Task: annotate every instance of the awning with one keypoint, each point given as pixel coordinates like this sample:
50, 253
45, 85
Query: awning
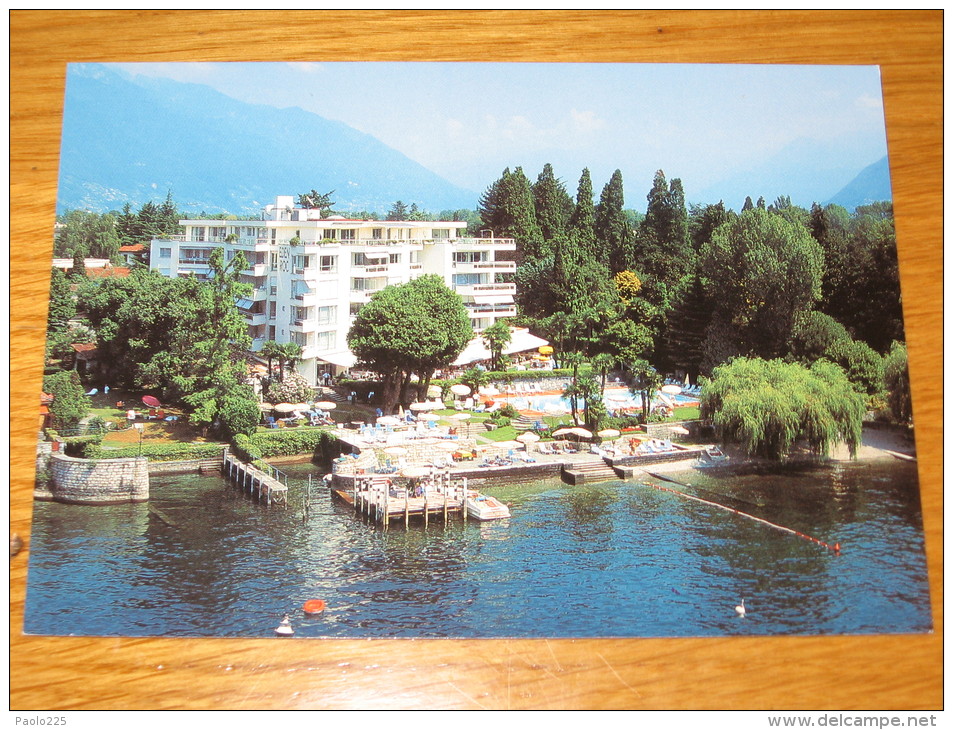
344, 358
244, 303
521, 341
376, 254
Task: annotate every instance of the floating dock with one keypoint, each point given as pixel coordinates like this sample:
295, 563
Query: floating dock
439, 496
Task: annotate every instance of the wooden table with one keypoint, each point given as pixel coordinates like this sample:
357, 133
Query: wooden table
877, 672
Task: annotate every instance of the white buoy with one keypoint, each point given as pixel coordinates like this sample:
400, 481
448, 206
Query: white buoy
284, 628
740, 610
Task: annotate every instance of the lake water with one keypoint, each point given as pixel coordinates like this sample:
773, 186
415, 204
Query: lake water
611, 559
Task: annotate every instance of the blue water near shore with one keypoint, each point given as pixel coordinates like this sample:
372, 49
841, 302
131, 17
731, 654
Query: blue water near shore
615, 559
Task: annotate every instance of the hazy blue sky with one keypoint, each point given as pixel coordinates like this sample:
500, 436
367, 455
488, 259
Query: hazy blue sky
467, 121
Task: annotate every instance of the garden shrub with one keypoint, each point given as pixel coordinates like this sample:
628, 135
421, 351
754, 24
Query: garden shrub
160, 452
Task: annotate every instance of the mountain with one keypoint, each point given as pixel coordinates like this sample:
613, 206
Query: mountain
134, 139
870, 186
809, 171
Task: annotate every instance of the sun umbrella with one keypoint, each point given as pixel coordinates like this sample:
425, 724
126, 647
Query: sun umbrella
581, 432
562, 431
489, 390
528, 437
546, 350
388, 421
421, 407
460, 389
265, 406
395, 450
151, 401
285, 407
460, 416
433, 391
609, 433
412, 472
671, 389
326, 405
430, 417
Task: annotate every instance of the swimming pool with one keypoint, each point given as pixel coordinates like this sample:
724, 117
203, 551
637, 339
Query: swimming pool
614, 398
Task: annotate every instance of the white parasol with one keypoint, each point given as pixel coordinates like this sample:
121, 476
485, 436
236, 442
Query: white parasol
388, 421
421, 407
412, 472
528, 437
460, 389
609, 433
671, 389
326, 405
459, 416
285, 407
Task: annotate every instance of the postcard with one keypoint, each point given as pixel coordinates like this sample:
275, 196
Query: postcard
475, 350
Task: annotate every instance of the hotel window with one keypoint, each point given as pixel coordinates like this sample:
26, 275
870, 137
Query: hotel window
349, 234
198, 233
330, 233
328, 264
302, 262
359, 259
216, 232
468, 257
395, 258
165, 253
324, 341
301, 338
466, 279
377, 234
274, 261
441, 233
327, 315
415, 257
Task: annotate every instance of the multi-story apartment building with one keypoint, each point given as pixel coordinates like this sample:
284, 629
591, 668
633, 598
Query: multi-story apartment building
311, 275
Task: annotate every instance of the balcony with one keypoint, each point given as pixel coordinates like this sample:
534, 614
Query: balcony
256, 270
255, 319
477, 311
304, 325
474, 290
306, 300
480, 267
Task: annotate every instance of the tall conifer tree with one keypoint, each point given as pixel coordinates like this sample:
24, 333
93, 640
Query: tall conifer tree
613, 233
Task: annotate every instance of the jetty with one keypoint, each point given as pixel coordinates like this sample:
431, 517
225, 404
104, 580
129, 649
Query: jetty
436, 496
264, 486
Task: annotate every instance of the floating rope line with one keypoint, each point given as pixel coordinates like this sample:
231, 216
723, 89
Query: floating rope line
835, 548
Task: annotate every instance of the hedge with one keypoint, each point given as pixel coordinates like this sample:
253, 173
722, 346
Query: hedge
286, 442
160, 452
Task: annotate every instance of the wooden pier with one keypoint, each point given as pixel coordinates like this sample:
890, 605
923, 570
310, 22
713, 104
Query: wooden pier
253, 480
379, 498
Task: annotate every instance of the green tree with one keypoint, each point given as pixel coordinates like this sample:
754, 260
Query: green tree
582, 221
897, 383
508, 209
407, 329
612, 227
769, 406
70, 402
663, 250
496, 337
87, 235
317, 201
62, 303
766, 271
552, 202
398, 211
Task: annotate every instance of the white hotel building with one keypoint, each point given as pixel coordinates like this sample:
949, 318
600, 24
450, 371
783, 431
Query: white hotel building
311, 275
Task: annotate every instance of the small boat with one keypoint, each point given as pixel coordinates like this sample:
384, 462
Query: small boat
284, 628
484, 507
715, 454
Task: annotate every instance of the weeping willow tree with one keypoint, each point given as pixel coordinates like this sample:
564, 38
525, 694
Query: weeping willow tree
769, 406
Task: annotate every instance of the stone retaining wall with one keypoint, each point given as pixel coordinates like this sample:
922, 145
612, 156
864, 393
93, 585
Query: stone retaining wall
96, 481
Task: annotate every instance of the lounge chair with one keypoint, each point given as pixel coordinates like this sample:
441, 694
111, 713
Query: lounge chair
546, 448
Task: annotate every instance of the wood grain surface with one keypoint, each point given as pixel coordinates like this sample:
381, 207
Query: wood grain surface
864, 673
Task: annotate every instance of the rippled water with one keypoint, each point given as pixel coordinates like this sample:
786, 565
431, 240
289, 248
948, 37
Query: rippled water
610, 559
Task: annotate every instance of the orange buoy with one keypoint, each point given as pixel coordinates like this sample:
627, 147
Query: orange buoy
315, 605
